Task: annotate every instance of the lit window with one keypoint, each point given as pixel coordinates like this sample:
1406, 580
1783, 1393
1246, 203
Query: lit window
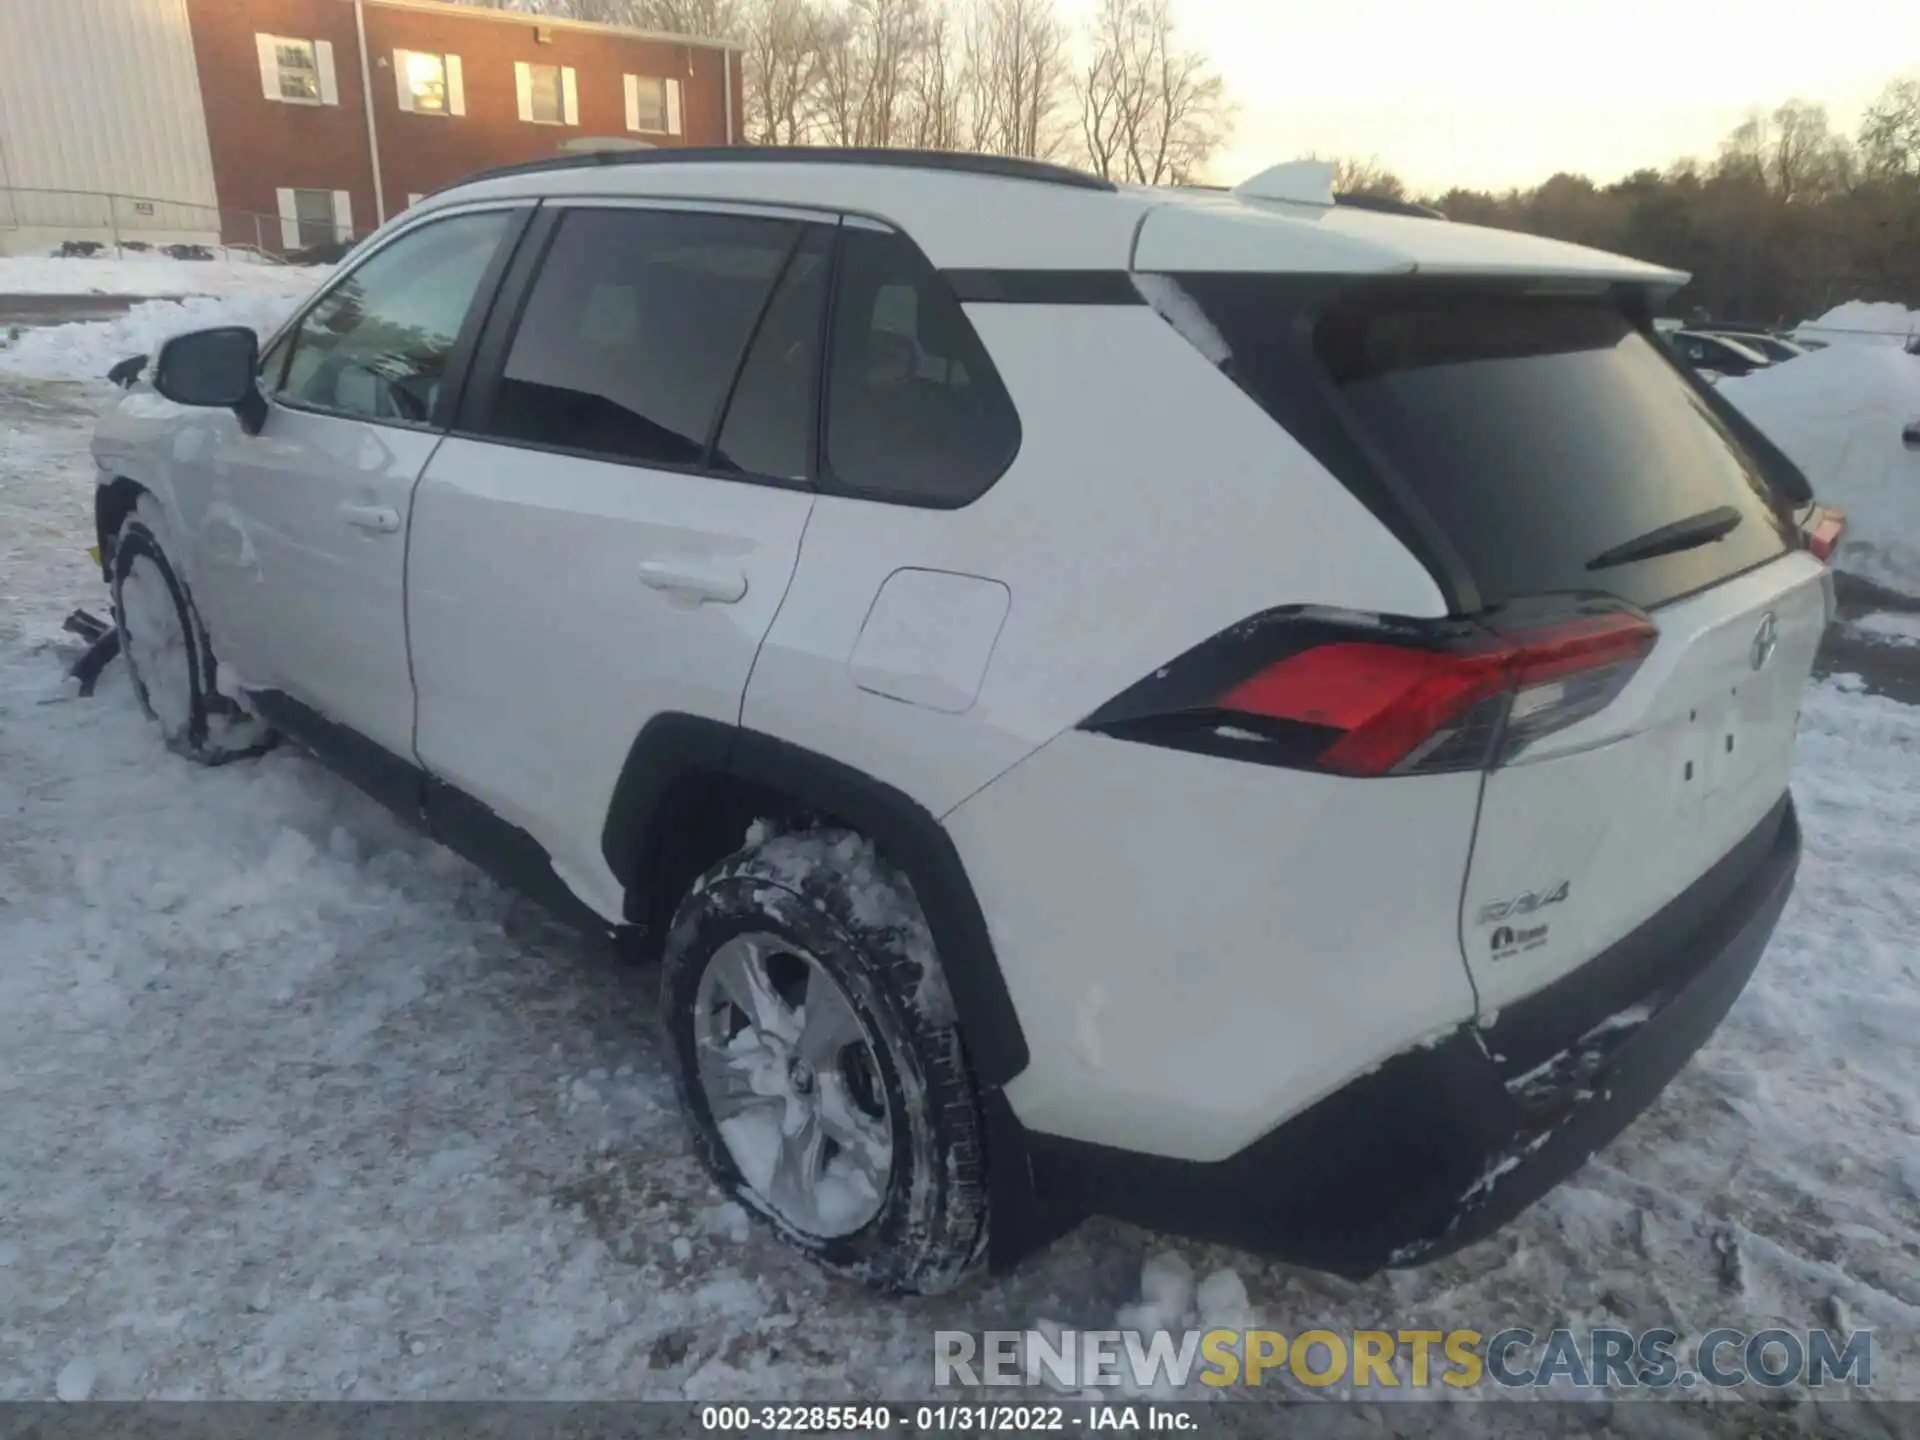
299, 69
427, 82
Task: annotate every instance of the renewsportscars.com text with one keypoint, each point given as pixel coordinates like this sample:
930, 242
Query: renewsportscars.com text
1514, 1358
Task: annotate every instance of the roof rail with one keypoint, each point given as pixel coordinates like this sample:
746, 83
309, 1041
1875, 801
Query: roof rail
1389, 207
1005, 167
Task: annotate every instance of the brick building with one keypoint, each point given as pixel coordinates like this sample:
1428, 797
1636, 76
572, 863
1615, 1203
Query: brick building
288, 123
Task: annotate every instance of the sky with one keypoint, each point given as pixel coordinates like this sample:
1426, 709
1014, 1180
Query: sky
1494, 93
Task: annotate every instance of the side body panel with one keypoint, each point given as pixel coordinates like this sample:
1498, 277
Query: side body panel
1151, 505
542, 645
1201, 947
303, 547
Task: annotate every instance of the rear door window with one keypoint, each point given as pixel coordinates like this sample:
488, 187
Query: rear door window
1536, 432
633, 331
915, 410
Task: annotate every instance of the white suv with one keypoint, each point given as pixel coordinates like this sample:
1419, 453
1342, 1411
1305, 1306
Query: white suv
1244, 713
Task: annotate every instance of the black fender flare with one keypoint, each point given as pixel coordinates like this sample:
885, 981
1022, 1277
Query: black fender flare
671, 745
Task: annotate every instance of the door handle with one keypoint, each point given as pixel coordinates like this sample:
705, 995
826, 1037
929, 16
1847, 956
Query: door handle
694, 581
377, 518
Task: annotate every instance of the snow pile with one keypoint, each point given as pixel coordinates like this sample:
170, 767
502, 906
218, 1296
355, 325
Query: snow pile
156, 276
1889, 628
87, 351
1839, 414
1862, 322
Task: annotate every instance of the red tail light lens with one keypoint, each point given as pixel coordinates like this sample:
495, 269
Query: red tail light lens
1364, 696
1387, 701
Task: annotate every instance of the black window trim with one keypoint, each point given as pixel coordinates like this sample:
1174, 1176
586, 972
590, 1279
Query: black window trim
489, 359
460, 358
822, 333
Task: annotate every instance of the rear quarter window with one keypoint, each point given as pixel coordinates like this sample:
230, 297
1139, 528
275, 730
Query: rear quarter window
916, 413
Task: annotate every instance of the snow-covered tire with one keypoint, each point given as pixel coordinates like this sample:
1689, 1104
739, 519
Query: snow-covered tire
826, 901
166, 649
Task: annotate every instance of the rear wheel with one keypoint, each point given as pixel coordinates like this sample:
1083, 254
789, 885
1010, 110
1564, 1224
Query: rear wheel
819, 1064
166, 650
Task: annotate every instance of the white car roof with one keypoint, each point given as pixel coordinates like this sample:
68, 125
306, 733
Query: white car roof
984, 213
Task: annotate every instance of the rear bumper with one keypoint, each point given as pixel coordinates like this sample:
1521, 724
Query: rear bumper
1441, 1145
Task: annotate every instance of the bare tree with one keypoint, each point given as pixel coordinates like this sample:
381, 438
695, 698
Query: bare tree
1150, 112
1354, 176
782, 69
1016, 77
1806, 158
936, 98
1890, 133
867, 51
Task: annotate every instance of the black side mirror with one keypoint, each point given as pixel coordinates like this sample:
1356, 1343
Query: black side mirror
215, 369
1910, 437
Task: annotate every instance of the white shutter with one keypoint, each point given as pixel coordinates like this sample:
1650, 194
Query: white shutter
329, 88
673, 107
269, 66
523, 87
289, 221
342, 215
569, 96
456, 87
632, 83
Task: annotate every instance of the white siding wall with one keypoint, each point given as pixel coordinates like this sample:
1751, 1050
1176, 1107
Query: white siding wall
101, 95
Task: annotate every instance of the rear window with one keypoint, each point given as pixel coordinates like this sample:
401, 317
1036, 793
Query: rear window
1534, 432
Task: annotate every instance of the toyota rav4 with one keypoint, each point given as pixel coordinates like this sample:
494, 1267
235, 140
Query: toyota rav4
1240, 712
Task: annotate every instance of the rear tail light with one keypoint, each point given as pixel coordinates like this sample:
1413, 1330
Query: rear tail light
1823, 531
1369, 695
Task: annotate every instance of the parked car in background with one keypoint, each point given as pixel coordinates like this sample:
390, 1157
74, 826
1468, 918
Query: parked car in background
1774, 347
1706, 351
1082, 688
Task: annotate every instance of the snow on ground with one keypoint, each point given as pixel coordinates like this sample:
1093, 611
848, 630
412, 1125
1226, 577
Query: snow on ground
151, 275
1889, 628
1862, 322
87, 351
299, 1105
1839, 414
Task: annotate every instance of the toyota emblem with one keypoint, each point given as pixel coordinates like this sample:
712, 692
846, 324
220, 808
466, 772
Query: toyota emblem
1765, 641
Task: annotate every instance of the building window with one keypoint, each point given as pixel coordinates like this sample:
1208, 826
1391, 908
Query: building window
311, 218
295, 71
429, 84
549, 94
299, 69
653, 105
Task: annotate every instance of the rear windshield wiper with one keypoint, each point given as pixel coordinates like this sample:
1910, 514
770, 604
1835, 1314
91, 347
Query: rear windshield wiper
1688, 534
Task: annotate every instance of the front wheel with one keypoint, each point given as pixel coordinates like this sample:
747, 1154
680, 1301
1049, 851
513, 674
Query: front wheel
819, 1064
166, 650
